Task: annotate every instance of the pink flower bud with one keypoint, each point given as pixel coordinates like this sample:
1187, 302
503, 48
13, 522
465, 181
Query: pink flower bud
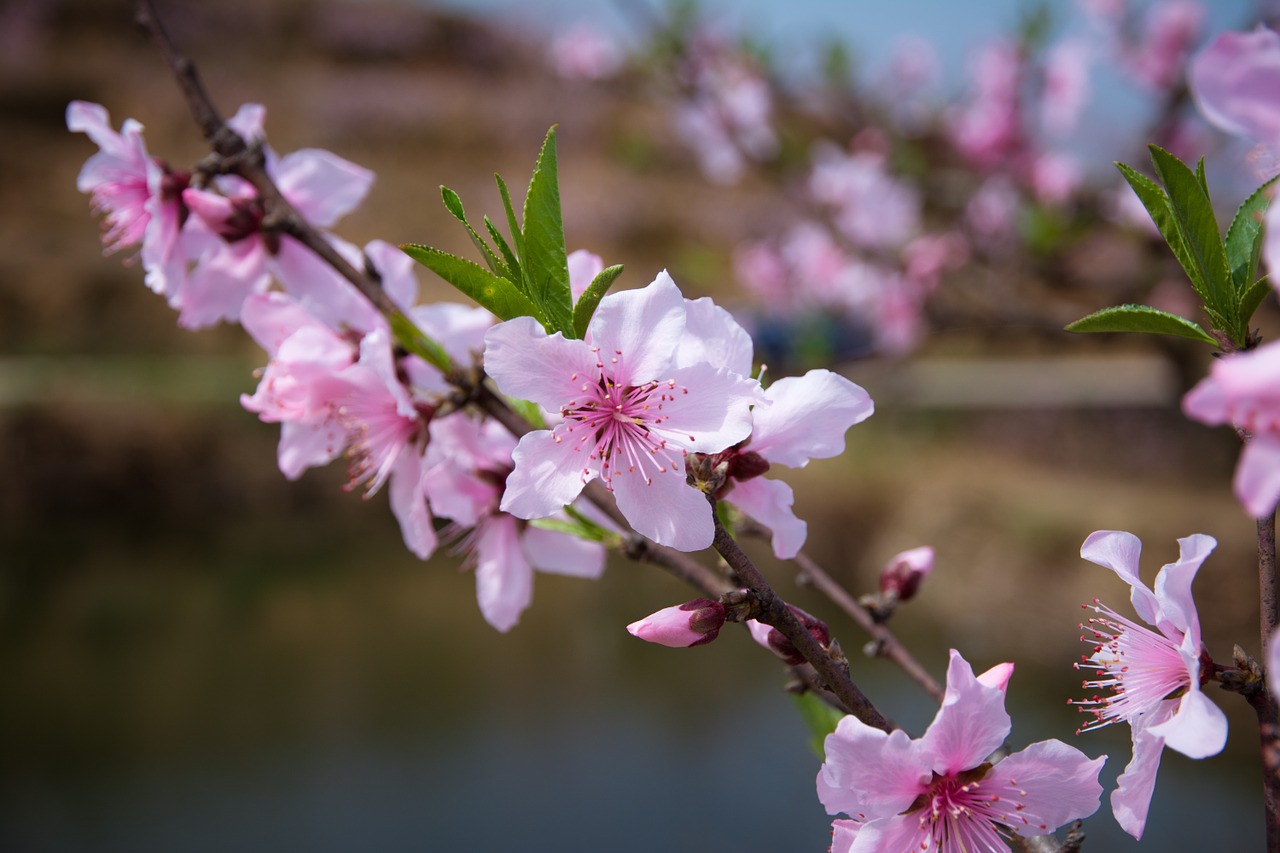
903, 574
775, 641
690, 624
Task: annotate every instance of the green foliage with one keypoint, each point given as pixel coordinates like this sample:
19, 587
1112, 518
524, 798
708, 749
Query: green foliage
1140, 318
527, 276
820, 717
1221, 273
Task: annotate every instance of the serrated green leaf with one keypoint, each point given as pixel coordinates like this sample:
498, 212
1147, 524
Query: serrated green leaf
1153, 198
1194, 214
517, 237
546, 270
1244, 242
1141, 318
500, 296
513, 263
454, 205
819, 717
591, 297
1252, 298
1200, 176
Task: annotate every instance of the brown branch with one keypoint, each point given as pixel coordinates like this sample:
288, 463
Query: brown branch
1264, 704
885, 644
774, 611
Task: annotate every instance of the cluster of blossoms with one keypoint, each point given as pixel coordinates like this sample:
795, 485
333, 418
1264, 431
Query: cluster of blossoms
656, 384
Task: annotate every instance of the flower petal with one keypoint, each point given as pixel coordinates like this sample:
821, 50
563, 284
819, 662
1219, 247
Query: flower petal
562, 553
868, 773
1198, 729
1257, 480
1121, 551
644, 325
1054, 784
969, 726
529, 364
321, 185
1131, 800
409, 504
713, 336
504, 578
548, 475
808, 418
1236, 83
769, 502
713, 415
665, 509
1173, 587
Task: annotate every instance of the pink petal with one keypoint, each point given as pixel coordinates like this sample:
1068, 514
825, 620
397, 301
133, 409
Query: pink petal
220, 283
562, 553
397, 272
870, 774
1131, 799
321, 290
528, 364
504, 578
584, 266
998, 677
1257, 479
323, 186
547, 476
713, 415
1198, 729
1121, 551
309, 445
249, 121
1173, 587
843, 834
665, 509
644, 325
808, 418
409, 504
769, 502
1236, 83
460, 329
1055, 785
969, 726
713, 336
900, 832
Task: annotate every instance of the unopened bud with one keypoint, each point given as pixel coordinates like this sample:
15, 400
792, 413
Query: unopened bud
903, 574
690, 624
775, 641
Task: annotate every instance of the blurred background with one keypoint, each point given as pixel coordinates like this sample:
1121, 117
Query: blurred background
197, 654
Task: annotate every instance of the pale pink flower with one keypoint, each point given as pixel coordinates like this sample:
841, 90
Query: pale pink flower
987, 129
871, 207
938, 792
693, 623
1066, 85
238, 258
1243, 390
629, 415
584, 266
1154, 678
469, 461
585, 52
139, 197
1170, 30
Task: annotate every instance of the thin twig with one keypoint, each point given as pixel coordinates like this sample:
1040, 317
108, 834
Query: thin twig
776, 613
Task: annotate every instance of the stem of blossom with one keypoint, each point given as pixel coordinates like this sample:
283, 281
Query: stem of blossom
885, 643
1263, 702
776, 613
240, 158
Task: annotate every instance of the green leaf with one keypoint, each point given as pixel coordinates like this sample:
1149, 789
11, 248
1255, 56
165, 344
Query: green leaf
1141, 318
1153, 198
591, 297
1200, 176
409, 336
544, 264
493, 292
1199, 227
513, 263
1244, 241
454, 205
530, 411
517, 237
1252, 298
819, 717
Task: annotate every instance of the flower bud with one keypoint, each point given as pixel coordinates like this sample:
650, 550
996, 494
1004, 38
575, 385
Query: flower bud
775, 641
903, 574
690, 624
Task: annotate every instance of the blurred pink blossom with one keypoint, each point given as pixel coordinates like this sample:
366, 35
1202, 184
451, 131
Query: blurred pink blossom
1169, 31
584, 51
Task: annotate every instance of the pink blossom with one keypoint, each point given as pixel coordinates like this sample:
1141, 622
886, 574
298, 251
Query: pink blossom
585, 52
1055, 176
584, 266
871, 207
939, 792
1066, 85
775, 641
1154, 677
693, 623
1242, 390
139, 197
239, 259
629, 413
1169, 31
987, 129
1235, 82
904, 572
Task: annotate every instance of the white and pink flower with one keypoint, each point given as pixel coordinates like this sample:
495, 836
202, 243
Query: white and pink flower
1152, 678
941, 792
